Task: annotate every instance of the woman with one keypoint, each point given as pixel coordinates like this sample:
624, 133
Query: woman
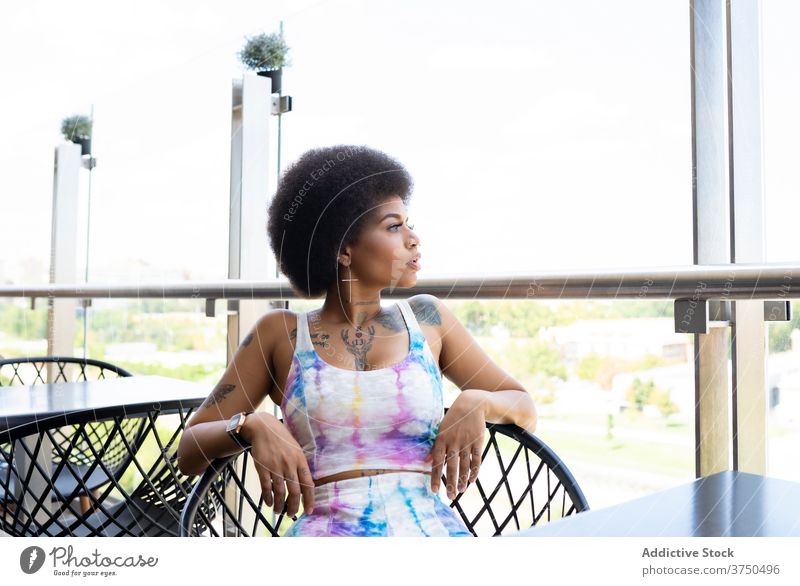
364, 442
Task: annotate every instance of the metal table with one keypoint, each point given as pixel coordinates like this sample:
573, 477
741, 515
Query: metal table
725, 504
28, 413
23, 407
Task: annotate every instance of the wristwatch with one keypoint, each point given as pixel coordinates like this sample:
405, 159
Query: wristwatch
235, 426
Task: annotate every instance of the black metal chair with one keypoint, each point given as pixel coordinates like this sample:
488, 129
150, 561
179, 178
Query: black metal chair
152, 508
30, 371
521, 483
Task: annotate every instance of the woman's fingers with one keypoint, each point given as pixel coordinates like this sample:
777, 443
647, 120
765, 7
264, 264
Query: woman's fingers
283, 486
266, 489
306, 487
437, 455
463, 469
279, 489
266, 481
476, 463
452, 472
293, 502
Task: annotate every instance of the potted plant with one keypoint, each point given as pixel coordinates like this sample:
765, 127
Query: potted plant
78, 129
266, 55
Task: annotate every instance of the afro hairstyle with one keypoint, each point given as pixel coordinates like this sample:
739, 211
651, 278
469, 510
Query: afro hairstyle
323, 201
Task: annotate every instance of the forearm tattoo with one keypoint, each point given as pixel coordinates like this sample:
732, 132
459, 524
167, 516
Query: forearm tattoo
218, 395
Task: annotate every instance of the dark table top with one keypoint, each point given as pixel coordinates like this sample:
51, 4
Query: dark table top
22, 407
725, 504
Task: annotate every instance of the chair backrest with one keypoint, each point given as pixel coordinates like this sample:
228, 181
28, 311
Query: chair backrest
146, 503
29, 370
99, 456
521, 483
164, 489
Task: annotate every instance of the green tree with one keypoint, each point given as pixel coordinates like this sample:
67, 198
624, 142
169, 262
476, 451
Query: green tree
661, 399
589, 366
537, 357
779, 336
779, 332
639, 392
647, 362
21, 322
521, 318
601, 368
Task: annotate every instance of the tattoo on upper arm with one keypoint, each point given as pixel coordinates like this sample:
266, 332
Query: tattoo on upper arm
218, 394
426, 311
247, 339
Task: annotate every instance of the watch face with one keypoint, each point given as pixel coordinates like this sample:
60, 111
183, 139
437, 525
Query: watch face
234, 421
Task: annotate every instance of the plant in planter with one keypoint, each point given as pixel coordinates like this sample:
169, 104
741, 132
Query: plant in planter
266, 55
78, 129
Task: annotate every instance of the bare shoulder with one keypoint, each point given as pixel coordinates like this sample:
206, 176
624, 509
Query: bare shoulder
429, 310
275, 333
436, 320
461, 358
250, 376
433, 317
279, 326
278, 319
433, 312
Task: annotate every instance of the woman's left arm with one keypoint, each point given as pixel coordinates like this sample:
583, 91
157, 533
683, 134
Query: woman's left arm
510, 406
488, 393
483, 383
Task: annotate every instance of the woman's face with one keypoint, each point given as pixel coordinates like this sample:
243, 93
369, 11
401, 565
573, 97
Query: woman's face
382, 253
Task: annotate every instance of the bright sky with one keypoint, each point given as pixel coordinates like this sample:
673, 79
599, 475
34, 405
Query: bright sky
541, 135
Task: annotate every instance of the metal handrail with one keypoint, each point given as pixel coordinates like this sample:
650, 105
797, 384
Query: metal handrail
729, 281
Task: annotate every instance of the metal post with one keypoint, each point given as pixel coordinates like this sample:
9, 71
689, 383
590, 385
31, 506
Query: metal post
63, 248
711, 225
60, 313
249, 255
749, 341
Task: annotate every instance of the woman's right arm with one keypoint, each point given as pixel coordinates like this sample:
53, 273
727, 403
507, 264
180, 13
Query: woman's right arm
248, 379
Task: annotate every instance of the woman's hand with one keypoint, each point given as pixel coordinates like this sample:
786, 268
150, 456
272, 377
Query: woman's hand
459, 443
280, 463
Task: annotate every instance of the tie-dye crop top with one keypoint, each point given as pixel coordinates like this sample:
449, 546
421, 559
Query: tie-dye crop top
358, 419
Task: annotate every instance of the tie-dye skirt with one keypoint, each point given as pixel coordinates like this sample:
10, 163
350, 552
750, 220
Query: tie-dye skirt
388, 504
